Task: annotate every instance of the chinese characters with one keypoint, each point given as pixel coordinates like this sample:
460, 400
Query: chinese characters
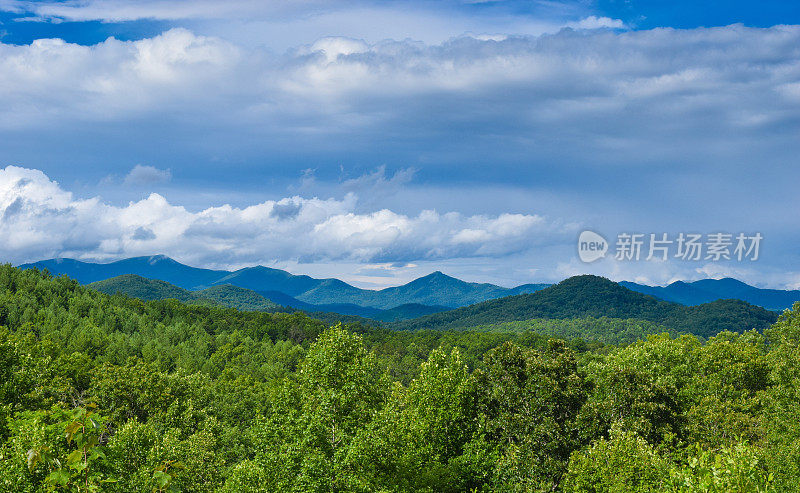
688, 246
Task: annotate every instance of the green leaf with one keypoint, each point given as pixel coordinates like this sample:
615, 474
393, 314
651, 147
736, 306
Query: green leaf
59, 477
74, 457
162, 478
70, 430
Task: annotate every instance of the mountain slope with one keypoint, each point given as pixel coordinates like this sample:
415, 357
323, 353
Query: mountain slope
224, 295
408, 311
435, 289
527, 289
153, 289
334, 291
592, 296
707, 290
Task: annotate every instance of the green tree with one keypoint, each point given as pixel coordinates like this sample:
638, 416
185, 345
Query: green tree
417, 443
623, 463
304, 443
530, 405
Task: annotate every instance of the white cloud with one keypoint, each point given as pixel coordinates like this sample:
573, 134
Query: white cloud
376, 185
53, 81
42, 220
147, 175
334, 47
594, 22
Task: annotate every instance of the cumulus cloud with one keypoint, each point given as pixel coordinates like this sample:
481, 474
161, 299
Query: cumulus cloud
147, 175
53, 81
40, 219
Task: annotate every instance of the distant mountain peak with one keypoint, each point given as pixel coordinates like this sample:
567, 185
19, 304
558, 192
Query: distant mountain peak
589, 280
437, 276
730, 281
257, 268
678, 283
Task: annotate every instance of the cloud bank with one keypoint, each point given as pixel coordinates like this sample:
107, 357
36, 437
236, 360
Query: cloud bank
551, 79
41, 220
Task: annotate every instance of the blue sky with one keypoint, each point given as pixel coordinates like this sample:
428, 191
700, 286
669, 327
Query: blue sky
378, 141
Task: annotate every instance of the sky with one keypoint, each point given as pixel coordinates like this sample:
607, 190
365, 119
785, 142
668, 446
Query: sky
377, 142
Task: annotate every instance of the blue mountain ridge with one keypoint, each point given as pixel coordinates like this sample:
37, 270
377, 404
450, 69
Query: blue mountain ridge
707, 290
433, 290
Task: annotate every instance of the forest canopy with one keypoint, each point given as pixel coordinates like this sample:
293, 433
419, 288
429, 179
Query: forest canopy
109, 393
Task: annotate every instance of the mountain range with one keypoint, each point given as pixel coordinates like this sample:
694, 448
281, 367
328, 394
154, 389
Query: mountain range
589, 305
433, 293
436, 301
592, 296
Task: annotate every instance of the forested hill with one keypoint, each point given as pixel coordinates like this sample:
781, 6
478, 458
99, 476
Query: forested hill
592, 296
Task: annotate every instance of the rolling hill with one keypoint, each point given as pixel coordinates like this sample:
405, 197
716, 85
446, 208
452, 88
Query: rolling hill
143, 288
592, 296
